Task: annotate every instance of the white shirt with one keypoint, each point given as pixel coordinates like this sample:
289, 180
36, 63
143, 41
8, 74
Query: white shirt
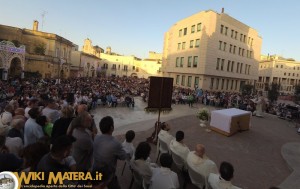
180, 149
164, 178
203, 166
26, 111
217, 182
165, 136
14, 145
129, 148
32, 132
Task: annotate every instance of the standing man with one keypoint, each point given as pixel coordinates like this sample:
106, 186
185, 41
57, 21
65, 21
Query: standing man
107, 150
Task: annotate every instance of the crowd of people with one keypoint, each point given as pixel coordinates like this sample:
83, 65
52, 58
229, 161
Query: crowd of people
46, 126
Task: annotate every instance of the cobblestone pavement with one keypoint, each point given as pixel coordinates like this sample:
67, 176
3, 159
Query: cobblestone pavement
255, 154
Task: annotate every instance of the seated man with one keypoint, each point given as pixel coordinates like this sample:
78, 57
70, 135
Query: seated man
178, 147
199, 162
163, 177
164, 134
222, 181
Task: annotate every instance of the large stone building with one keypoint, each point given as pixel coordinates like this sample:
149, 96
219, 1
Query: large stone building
46, 53
212, 51
120, 65
276, 69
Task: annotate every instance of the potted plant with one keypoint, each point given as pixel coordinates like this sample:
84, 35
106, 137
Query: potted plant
203, 115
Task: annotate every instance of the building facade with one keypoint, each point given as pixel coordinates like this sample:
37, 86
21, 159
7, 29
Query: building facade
46, 53
276, 69
212, 51
84, 65
113, 64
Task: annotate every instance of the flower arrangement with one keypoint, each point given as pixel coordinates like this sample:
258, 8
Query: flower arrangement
203, 114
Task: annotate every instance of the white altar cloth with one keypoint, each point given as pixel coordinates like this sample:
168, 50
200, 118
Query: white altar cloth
223, 120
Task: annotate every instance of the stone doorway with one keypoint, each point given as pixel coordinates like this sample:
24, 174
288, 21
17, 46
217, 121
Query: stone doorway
15, 69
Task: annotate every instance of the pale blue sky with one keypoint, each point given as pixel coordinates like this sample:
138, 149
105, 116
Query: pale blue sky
135, 27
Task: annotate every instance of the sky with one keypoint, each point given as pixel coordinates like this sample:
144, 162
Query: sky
135, 27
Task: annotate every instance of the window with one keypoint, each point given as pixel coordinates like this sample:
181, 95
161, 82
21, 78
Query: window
177, 62
113, 66
218, 64
250, 56
235, 36
189, 61
241, 37
181, 61
241, 68
281, 66
231, 85
222, 84
234, 49
177, 79
276, 66
184, 31
289, 74
220, 45
236, 84
197, 43
211, 83
189, 84
193, 29
222, 28
196, 83
224, 46
230, 48
217, 83
183, 80
246, 67
228, 65
222, 64
227, 83
237, 67
240, 51
248, 40
119, 67
133, 67
244, 39
199, 27
226, 28
191, 43
183, 45
178, 46
284, 74
232, 32
243, 50
232, 65
180, 33
195, 63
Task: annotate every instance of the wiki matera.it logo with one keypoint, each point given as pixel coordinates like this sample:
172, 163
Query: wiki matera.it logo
8, 180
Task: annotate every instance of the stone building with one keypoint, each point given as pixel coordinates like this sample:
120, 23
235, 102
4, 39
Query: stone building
46, 53
276, 69
212, 51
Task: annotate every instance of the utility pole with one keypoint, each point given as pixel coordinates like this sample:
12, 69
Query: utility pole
43, 18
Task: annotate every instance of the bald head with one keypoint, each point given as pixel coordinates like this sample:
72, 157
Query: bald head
200, 150
82, 108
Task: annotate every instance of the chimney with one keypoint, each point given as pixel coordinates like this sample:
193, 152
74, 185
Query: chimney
35, 25
223, 10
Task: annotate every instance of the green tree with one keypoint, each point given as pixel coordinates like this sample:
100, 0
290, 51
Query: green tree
297, 93
273, 92
247, 89
40, 49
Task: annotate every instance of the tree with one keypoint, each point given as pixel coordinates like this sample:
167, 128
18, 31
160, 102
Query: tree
273, 92
40, 49
247, 89
297, 93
